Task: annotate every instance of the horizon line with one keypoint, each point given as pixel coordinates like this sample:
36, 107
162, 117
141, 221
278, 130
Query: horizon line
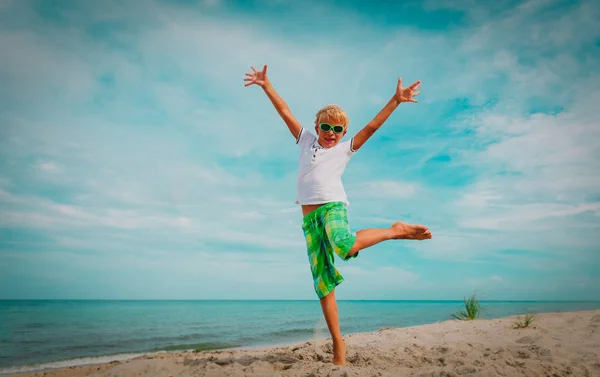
259, 299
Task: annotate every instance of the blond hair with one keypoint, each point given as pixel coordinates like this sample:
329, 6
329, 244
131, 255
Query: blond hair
333, 114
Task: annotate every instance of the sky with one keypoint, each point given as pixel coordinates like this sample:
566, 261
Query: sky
134, 164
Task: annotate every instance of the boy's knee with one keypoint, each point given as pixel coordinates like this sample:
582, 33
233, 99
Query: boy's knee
342, 243
338, 231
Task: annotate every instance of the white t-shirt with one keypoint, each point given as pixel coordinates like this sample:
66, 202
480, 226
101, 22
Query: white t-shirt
320, 170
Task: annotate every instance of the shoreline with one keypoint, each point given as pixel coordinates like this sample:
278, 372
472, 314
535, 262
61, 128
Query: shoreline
562, 342
70, 363
20, 370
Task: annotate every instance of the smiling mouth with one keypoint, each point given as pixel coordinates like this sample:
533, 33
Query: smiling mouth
329, 139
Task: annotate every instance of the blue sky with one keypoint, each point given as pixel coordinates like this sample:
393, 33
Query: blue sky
135, 164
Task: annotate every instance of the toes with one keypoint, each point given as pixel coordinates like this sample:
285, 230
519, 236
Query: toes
426, 235
411, 231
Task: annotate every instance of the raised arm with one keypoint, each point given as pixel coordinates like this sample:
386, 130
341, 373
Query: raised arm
261, 79
401, 95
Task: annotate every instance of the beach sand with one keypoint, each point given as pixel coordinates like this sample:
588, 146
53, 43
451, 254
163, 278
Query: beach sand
556, 344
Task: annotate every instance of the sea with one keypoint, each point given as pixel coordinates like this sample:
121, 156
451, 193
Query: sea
46, 334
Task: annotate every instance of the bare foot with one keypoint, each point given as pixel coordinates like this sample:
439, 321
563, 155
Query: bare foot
339, 353
404, 231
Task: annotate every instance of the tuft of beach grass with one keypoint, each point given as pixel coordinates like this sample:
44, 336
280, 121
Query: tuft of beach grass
522, 323
472, 310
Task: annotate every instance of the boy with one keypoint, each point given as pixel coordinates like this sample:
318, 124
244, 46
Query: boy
322, 197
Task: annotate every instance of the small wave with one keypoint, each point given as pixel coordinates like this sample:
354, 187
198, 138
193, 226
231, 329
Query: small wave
69, 363
142, 343
37, 325
289, 332
197, 346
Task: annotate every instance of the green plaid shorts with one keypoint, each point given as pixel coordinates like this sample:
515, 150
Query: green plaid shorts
326, 231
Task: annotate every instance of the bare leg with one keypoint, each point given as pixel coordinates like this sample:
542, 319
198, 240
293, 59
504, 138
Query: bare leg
399, 231
330, 311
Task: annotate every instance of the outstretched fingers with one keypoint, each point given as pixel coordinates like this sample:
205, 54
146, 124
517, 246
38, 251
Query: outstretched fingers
251, 77
256, 77
415, 85
408, 94
414, 90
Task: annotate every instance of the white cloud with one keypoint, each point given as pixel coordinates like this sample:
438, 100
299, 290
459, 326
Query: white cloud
385, 282
534, 169
48, 167
63, 74
519, 217
382, 189
273, 231
170, 273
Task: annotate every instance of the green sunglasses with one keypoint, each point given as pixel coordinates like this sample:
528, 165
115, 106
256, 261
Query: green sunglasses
326, 127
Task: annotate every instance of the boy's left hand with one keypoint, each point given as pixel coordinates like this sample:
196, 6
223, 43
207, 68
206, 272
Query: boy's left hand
407, 94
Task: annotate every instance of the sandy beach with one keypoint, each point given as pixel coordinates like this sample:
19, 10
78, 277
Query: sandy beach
556, 344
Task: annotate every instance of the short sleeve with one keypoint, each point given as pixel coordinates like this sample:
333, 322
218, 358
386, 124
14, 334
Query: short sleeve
305, 137
347, 148
351, 149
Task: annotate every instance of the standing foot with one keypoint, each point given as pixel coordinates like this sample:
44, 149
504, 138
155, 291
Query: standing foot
339, 353
404, 231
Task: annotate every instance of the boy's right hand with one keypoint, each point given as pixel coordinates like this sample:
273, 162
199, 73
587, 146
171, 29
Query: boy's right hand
258, 78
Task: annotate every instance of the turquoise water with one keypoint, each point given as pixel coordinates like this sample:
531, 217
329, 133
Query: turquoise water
41, 332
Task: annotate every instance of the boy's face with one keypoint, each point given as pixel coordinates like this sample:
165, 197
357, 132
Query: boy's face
329, 138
